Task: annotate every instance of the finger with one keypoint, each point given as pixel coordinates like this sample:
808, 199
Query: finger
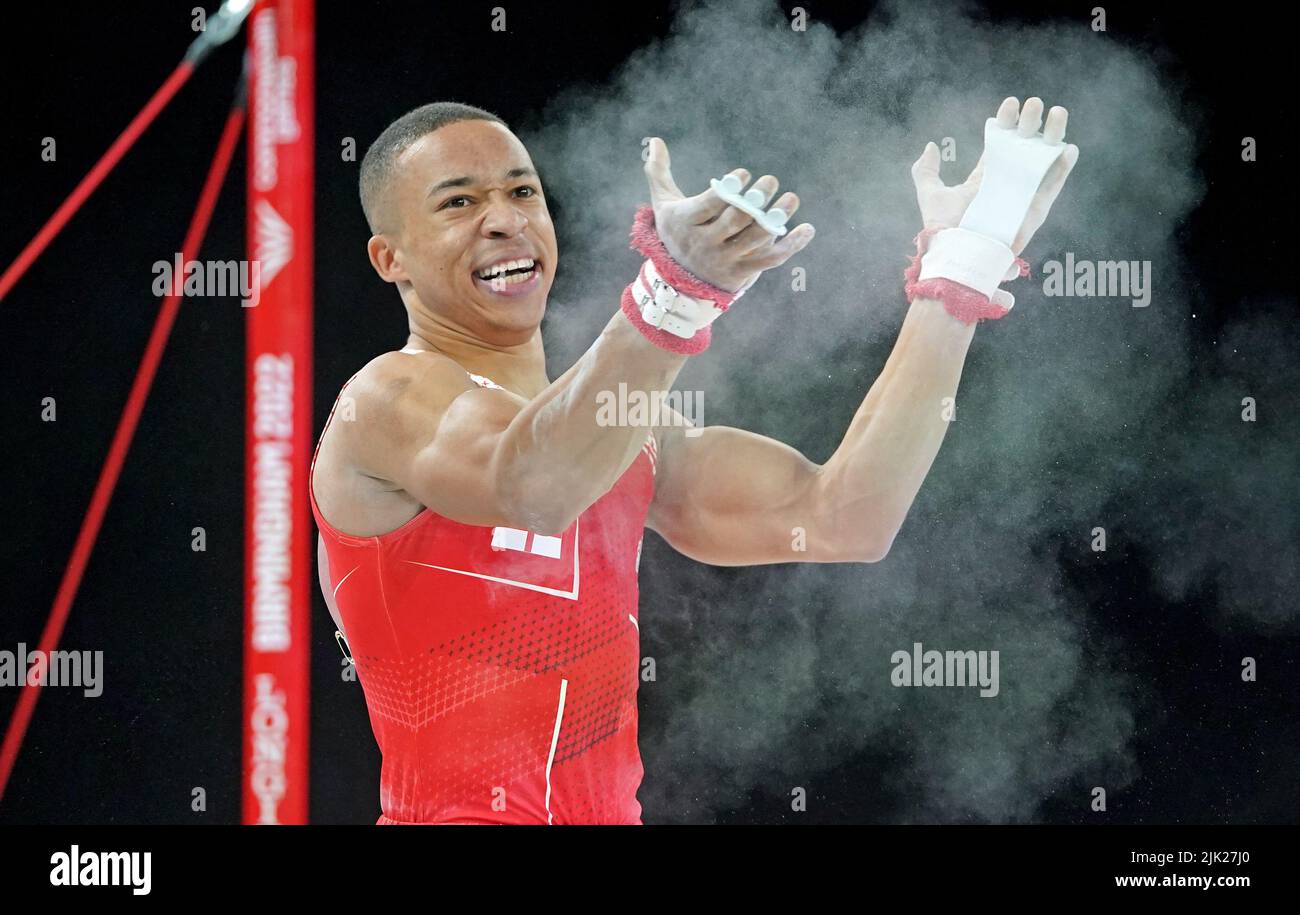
1054, 180
1008, 112
784, 249
659, 173
976, 174
1054, 132
925, 170
733, 219
1051, 187
754, 237
1031, 117
707, 206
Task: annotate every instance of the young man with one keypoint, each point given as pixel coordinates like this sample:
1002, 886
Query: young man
481, 524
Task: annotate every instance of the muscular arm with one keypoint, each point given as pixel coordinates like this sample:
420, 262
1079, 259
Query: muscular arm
729, 497
488, 457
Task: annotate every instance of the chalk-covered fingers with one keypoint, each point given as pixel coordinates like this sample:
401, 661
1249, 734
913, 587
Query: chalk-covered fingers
754, 237
1057, 118
706, 207
732, 220
1031, 117
1008, 115
925, 170
776, 253
659, 175
1050, 189
941, 206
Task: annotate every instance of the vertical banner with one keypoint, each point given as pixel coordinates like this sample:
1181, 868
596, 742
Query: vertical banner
277, 543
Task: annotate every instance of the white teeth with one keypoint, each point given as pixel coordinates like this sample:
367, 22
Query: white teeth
488, 272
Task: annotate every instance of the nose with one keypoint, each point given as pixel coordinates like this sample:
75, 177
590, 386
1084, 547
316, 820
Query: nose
502, 218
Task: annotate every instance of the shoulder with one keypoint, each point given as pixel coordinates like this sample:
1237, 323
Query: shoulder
396, 399
383, 415
395, 376
405, 389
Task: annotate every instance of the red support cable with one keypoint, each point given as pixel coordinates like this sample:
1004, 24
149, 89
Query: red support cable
126, 426
139, 124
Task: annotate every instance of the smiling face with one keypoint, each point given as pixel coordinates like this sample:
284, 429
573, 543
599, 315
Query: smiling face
462, 200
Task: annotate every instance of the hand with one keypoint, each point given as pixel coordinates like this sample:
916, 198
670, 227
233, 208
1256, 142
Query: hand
712, 239
943, 207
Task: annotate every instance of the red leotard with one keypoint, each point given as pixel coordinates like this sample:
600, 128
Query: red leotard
500, 667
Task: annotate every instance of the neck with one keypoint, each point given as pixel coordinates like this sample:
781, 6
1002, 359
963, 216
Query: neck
517, 367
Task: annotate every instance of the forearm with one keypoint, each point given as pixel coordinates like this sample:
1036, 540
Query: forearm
867, 487
700, 256
556, 457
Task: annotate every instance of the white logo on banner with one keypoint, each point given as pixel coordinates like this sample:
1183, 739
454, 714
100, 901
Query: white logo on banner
270, 729
265, 99
272, 525
274, 242
286, 121
274, 111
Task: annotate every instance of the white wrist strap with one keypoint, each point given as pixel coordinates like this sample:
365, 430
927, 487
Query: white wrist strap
971, 260
664, 307
1014, 167
977, 254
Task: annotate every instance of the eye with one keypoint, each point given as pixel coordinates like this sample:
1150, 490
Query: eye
532, 192
451, 201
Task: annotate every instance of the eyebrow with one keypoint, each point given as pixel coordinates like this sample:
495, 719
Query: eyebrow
465, 181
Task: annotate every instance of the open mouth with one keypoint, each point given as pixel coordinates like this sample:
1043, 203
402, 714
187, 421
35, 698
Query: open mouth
510, 277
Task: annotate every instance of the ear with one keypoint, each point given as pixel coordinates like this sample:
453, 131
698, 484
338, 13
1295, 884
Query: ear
385, 259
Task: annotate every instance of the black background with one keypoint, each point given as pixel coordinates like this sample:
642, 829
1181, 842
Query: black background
170, 620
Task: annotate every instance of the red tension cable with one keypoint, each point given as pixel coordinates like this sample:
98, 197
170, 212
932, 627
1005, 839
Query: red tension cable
126, 426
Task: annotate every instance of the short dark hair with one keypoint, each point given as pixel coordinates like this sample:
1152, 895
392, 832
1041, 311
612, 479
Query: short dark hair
377, 164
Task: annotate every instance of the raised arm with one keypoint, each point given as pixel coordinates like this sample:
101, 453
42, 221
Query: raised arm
488, 457
729, 497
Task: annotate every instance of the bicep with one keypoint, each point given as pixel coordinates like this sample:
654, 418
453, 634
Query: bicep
730, 497
455, 472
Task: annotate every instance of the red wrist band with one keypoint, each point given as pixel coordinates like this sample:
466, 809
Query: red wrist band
686, 346
645, 239
963, 303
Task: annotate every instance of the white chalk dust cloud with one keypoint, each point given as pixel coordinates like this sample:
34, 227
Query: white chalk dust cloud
769, 677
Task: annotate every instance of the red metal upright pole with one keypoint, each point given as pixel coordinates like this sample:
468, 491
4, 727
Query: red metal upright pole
278, 533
